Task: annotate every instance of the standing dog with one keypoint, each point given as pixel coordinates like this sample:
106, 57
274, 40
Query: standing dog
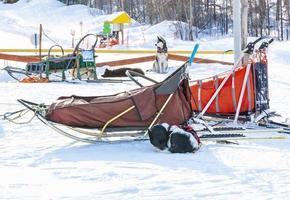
160, 64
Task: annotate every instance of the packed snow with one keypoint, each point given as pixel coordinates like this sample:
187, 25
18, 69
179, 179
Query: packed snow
37, 163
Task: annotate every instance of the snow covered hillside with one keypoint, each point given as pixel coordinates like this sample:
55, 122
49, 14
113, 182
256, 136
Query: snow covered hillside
19, 21
37, 163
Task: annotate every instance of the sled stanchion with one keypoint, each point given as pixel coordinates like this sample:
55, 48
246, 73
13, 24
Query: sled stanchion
159, 113
242, 92
114, 118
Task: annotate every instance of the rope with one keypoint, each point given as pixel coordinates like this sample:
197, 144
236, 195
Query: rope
49, 38
14, 116
9, 104
8, 114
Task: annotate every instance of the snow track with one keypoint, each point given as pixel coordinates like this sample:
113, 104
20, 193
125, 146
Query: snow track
37, 163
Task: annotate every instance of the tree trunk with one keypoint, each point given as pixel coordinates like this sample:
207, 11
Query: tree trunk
244, 23
268, 18
281, 21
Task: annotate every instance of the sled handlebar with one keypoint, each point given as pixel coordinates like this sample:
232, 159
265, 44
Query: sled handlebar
249, 49
266, 44
57, 45
251, 45
82, 39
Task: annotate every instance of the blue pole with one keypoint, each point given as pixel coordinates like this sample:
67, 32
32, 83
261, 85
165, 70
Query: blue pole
35, 40
193, 53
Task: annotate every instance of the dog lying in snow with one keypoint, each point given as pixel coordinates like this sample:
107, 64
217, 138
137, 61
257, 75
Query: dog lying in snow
176, 139
160, 64
121, 72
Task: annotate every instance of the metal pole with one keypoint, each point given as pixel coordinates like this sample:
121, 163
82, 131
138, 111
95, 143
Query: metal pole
159, 113
244, 23
237, 29
40, 40
242, 92
190, 19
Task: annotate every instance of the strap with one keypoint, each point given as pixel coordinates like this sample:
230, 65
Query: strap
199, 95
216, 84
234, 91
249, 95
192, 131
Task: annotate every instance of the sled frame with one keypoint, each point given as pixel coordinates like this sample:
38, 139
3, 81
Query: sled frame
249, 50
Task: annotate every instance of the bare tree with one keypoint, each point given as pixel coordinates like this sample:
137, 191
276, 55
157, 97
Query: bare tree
244, 22
210, 17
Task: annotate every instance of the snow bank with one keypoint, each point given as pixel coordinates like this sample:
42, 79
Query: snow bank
12, 40
166, 29
280, 52
22, 20
4, 77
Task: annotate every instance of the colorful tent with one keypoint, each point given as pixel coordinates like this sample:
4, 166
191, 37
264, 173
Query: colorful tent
119, 18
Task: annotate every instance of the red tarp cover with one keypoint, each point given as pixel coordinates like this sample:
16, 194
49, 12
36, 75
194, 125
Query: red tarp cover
225, 98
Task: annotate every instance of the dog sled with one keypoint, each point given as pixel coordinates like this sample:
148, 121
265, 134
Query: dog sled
128, 115
79, 65
123, 112
243, 89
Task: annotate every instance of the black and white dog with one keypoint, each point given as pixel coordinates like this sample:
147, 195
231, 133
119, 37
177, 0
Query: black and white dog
160, 64
176, 139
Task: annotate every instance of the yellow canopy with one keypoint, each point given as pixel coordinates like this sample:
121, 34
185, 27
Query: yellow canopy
119, 18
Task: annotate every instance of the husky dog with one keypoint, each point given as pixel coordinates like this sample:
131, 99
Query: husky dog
120, 72
174, 138
160, 64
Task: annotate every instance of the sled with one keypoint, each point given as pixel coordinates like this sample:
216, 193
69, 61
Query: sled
78, 65
137, 109
242, 91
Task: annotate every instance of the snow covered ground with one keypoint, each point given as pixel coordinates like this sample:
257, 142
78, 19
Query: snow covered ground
37, 163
